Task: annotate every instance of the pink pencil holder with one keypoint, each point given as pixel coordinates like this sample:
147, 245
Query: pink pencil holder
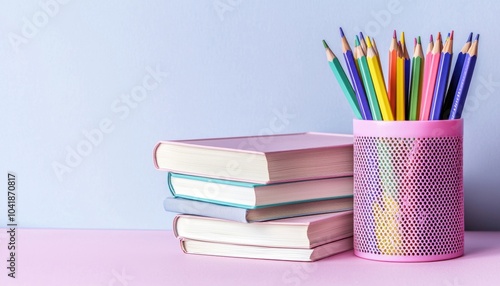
408, 190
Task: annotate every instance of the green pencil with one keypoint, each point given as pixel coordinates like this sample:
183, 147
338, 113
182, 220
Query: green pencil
346, 86
367, 81
416, 81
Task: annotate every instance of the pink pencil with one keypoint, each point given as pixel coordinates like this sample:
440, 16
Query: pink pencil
426, 66
430, 75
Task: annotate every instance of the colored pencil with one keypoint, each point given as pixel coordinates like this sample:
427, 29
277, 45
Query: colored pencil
400, 84
374, 45
345, 85
416, 81
364, 108
442, 79
430, 75
407, 67
362, 42
391, 83
464, 81
452, 87
378, 82
367, 81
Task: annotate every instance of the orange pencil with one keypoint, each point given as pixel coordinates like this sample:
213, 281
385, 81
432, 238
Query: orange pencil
400, 84
391, 84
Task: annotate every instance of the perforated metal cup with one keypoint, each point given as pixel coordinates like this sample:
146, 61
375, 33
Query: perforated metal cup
408, 190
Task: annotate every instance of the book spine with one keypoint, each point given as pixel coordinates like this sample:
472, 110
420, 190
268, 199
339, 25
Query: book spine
155, 161
174, 226
169, 184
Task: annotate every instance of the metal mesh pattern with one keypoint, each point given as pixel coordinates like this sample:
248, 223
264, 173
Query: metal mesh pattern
408, 197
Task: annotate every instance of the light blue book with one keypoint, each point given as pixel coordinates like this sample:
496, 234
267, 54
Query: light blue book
192, 207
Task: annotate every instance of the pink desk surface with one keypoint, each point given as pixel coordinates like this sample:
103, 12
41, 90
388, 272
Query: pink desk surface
129, 258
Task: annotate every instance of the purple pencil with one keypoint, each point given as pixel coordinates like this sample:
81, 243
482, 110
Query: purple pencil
464, 81
355, 78
442, 79
452, 87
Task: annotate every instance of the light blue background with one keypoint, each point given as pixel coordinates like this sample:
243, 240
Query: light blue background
224, 68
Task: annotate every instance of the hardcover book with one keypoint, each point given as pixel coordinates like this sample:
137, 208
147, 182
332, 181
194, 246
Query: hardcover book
260, 159
260, 252
251, 195
296, 232
192, 207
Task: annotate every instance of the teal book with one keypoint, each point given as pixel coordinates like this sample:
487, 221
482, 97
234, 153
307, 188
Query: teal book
252, 196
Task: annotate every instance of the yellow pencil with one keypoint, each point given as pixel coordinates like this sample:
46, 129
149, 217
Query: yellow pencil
378, 82
400, 83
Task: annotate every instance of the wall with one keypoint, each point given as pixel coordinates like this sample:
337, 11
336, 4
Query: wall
88, 88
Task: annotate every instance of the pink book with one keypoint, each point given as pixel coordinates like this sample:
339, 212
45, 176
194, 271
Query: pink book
260, 159
305, 232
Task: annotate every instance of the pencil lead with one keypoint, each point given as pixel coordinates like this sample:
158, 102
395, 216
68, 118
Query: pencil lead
341, 32
325, 44
361, 35
394, 34
439, 36
356, 41
431, 39
419, 40
477, 37
451, 35
415, 42
470, 37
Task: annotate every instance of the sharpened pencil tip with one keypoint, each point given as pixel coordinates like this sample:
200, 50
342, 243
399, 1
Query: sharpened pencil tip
470, 37
418, 41
394, 34
325, 44
368, 42
361, 35
356, 41
451, 35
431, 39
341, 32
477, 37
439, 36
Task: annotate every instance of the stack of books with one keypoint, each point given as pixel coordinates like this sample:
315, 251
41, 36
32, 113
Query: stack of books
284, 197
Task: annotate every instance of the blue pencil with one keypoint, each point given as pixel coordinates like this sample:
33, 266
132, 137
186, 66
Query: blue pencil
442, 79
464, 81
452, 88
355, 79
